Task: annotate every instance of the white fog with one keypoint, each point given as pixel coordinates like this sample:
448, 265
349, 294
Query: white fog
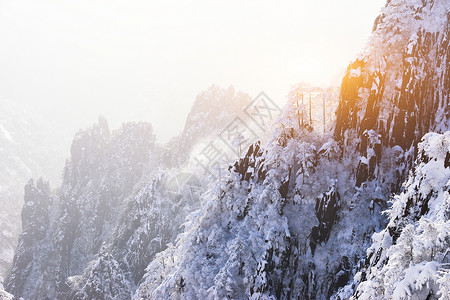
148, 60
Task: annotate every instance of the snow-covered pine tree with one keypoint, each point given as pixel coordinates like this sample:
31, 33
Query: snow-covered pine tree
409, 259
103, 280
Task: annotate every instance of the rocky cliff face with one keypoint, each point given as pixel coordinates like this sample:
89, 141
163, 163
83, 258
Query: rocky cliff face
150, 220
294, 219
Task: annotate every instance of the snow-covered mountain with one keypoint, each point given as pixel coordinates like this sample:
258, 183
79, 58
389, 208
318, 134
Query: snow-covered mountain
280, 223
3, 294
121, 202
397, 90
29, 147
294, 218
213, 110
70, 228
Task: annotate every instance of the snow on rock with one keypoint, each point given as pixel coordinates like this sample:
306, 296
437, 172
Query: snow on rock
290, 219
403, 88
3, 294
29, 147
267, 227
304, 217
409, 258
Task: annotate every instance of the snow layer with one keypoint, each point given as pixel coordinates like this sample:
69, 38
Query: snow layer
409, 259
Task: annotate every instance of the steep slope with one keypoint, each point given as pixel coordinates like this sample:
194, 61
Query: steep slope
4, 295
410, 257
398, 89
150, 220
294, 219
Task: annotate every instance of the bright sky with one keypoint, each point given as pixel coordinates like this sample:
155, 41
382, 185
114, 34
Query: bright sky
147, 60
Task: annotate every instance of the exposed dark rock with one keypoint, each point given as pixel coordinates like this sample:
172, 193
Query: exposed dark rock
362, 173
327, 208
447, 160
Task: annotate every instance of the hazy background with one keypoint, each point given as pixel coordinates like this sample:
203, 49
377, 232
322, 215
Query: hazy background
147, 60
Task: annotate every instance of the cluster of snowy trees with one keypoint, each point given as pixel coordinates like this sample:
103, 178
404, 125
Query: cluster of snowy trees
252, 235
410, 258
316, 106
3, 294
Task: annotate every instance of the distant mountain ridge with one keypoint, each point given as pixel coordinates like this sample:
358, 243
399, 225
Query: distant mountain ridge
29, 147
117, 206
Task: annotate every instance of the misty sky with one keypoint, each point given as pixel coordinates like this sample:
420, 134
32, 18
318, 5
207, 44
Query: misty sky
147, 60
